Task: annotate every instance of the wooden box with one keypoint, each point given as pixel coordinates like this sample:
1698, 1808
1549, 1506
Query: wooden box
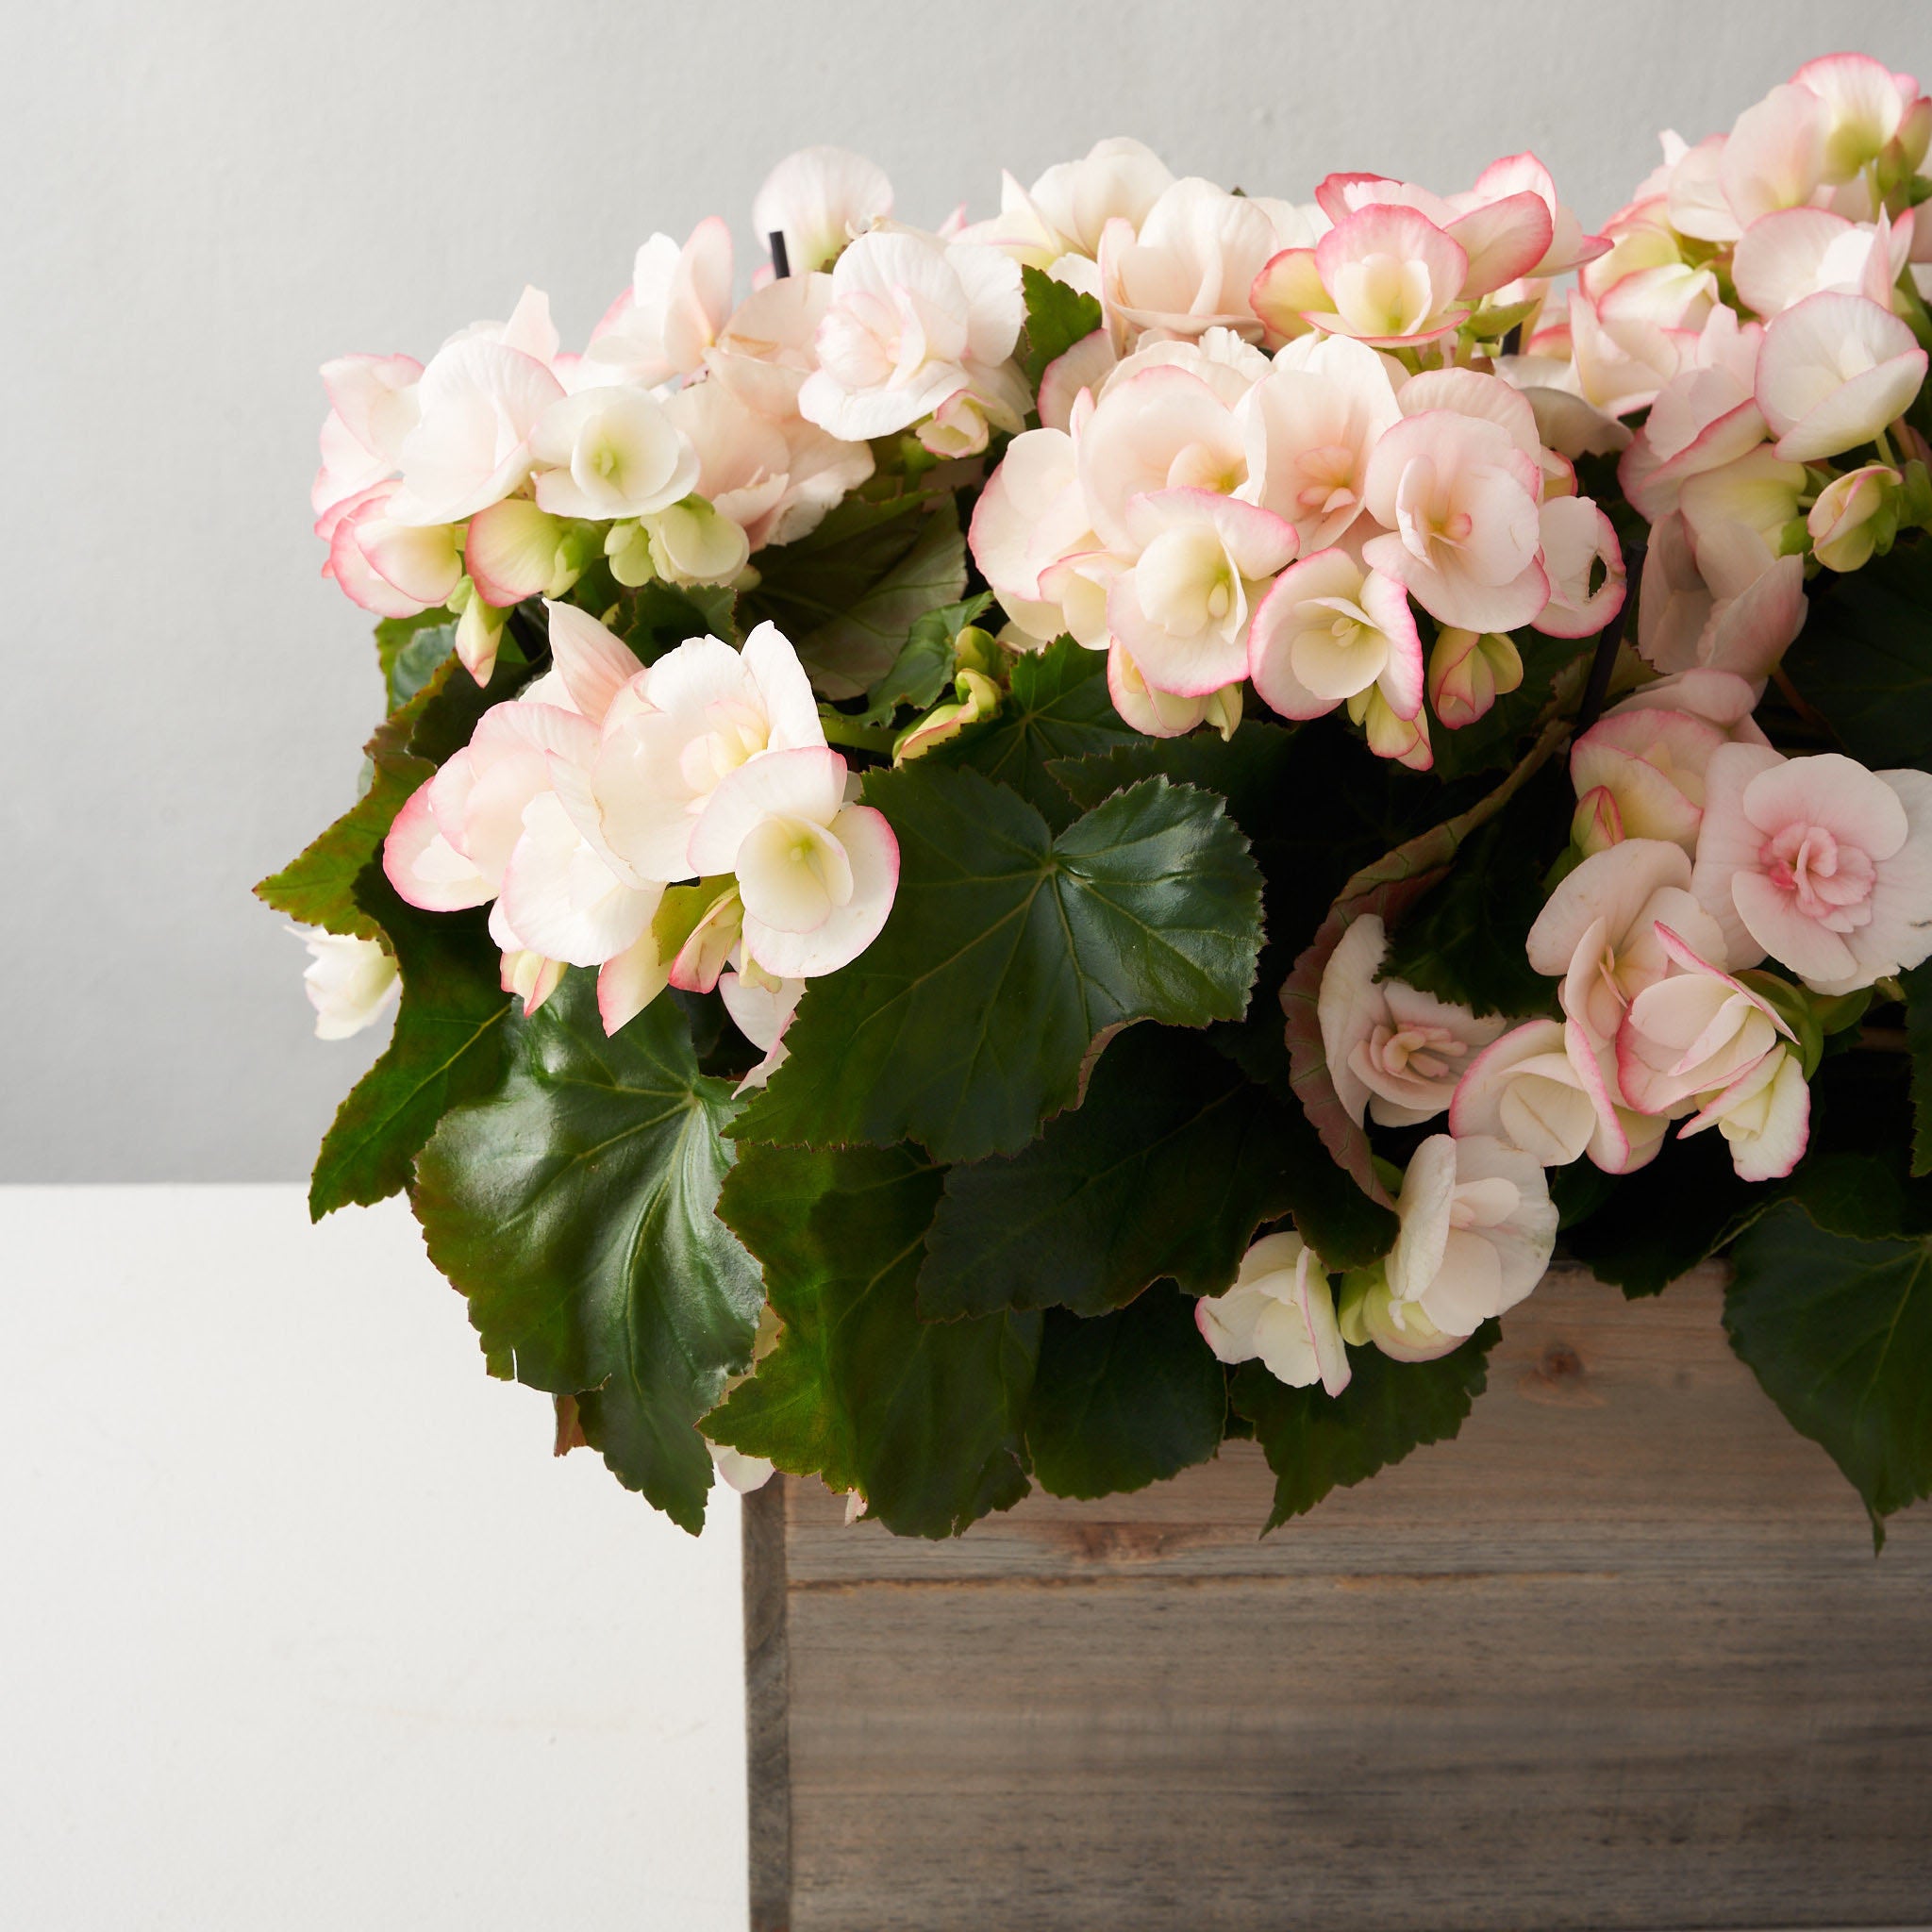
1621, 1656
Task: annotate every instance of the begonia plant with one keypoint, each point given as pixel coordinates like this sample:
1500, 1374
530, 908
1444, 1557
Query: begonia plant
1046, 842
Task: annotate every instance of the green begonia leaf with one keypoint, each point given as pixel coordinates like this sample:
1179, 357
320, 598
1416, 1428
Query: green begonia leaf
1058, 707
574, 1206
1124, 1399
1008, 952
848, 595
1316, 1442
1057, 316
923, 1418
410, 651
1863, 661
1839, 1331
925, 664
447, 1047
317, 887
1169, 1165
660, 616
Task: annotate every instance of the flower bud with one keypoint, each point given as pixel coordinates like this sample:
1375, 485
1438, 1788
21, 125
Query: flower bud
628, 548
1468, 672
1224, 710
479, 630
1404, 739
349, 981
693, 543
1367, 1317
1597, 823
975, 650
974, 696
1854, 516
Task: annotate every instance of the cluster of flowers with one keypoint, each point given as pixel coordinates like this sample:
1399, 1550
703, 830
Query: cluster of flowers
1210, 513
1750, 304
1757, 300
1302, 452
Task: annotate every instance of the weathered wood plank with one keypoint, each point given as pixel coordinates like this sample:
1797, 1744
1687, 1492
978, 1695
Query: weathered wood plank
1619, 1656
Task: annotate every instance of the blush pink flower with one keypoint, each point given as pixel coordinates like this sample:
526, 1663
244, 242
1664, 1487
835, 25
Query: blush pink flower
1719, 602
1819, 863
819, 199
1329, 630
1189, 265
1281, 1311
671, 313
1459, 496
817, 877
1835, 370
1477, 1230
1542, 1088
1598, 931
1393, 1051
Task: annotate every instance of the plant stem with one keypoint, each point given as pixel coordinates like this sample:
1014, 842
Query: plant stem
841, 729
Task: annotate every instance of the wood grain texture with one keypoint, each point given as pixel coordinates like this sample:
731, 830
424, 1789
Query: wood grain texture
1619, 1656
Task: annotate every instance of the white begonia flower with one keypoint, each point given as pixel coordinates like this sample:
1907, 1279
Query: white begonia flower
1202, 563
915, 324
817, 876
1280, 1309
1189, 263
776, 478
761, 1008
1541, 1089
1311, 423
1327, 631
682, 727
349, 982
1719, 602
1457, 486
1066, 211
1477, 1229
1834, 371
671, 313
1393, 1051
614, 452
478, 404
1598, 931
819, 199
1031, 515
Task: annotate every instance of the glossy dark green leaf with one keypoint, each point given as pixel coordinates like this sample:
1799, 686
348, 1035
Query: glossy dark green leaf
660, 616
848, 595
921, 1418
1008, 952
1863, 661
1058, 707
1316, 1442
447, 1047
1057, 316
1124, 1399
1252, 770
574, 1206
1168, 1166
1839, 1331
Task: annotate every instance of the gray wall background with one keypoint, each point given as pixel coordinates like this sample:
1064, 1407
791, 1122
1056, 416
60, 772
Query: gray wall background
204, 201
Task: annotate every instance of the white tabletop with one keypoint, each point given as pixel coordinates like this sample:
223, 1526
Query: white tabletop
304, 1627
